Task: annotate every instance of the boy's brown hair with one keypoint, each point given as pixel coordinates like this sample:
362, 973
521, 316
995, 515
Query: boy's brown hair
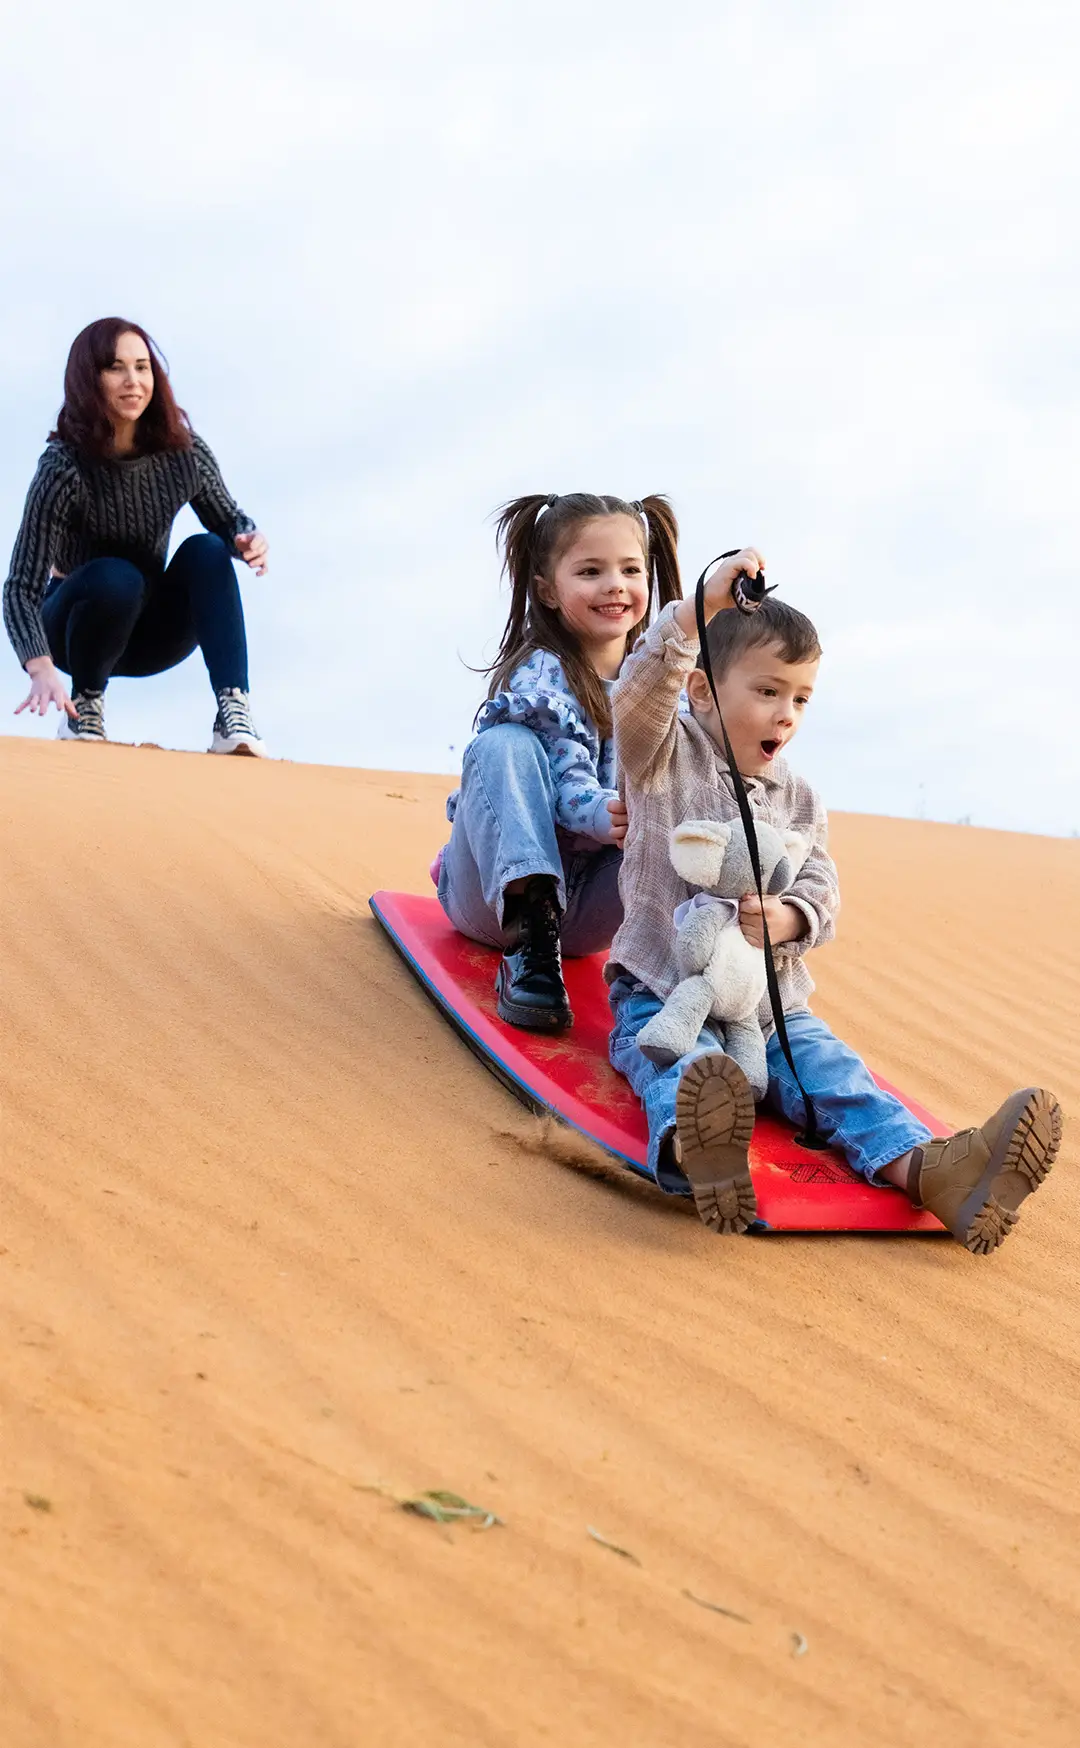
730, 635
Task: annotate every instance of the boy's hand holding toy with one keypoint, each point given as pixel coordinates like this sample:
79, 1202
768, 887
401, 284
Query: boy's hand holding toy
786, 921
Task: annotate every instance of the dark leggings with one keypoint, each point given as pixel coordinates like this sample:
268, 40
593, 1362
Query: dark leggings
110, 617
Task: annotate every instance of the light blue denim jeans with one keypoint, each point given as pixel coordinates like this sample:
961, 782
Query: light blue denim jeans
870, 1127
504, 829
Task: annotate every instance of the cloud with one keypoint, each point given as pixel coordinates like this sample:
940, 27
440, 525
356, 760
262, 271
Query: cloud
813, 271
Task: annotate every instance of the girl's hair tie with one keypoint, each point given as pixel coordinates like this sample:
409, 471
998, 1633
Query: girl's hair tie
636, 504
550, 502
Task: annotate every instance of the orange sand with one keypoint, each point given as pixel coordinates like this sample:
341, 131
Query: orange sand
270, 1235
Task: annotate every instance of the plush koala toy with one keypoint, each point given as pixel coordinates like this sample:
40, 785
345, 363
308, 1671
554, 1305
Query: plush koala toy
723, 976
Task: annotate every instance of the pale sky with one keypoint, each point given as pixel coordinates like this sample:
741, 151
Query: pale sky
812, 270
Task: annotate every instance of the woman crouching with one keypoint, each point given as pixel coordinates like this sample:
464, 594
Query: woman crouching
90, 592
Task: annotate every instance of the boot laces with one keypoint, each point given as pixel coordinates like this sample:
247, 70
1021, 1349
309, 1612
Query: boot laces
540, 932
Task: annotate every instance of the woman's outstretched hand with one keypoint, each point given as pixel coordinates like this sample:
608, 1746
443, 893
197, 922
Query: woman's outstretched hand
46, 687
253, 549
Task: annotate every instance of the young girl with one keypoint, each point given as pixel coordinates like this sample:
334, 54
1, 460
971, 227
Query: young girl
532, 865
89, 590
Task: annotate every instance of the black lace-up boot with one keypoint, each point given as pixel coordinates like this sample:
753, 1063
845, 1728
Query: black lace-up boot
529, 985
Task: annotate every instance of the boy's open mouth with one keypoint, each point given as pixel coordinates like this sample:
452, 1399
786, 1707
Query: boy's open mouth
770, 748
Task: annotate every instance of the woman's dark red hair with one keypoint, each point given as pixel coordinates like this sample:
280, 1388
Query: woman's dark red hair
83, 420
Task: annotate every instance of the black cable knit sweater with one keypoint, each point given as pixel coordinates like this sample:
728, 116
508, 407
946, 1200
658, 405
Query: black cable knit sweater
78, 509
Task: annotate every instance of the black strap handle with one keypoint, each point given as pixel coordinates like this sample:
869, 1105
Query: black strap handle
748, 594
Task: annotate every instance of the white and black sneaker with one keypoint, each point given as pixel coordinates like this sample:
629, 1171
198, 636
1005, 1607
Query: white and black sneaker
234, 731
88, 723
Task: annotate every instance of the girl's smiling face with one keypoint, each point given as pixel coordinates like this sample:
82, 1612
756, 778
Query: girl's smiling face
600, 588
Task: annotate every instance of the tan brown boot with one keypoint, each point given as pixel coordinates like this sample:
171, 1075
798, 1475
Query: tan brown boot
714, 1120
975, 1181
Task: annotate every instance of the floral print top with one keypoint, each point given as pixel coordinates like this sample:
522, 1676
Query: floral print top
582, 765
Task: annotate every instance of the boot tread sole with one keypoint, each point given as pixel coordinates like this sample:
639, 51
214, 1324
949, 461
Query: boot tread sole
1019, 1162
714, 1120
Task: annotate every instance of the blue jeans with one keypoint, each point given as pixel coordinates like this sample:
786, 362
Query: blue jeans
870, 1127
504, 829
111, 616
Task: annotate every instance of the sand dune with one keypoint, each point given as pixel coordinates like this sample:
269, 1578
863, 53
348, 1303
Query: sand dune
270, 1238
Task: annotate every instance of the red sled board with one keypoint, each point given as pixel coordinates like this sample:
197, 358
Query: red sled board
568, 1075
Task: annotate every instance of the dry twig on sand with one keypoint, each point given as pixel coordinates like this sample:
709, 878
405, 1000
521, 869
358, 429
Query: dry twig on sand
613, 1547
716, 1607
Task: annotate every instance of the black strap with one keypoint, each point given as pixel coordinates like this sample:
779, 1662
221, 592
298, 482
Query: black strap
752, 591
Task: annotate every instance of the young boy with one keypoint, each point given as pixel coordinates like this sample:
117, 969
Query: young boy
701, 1110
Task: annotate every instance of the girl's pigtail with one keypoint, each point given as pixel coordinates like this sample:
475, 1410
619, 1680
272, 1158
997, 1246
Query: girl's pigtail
663, 548
515, 537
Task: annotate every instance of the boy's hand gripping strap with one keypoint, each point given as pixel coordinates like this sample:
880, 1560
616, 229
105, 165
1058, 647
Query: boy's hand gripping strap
753, 591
